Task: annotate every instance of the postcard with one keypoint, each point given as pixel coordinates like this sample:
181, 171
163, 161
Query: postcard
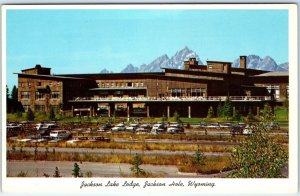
160, 98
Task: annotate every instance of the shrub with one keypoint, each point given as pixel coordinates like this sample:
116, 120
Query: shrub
22, 174
76, 170
259, 156
136, 170
56, 173
210, 112
51, 114
30, 115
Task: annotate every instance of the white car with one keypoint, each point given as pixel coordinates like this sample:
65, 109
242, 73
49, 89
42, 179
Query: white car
119, 127
132, 127
175, 128
247, 130
158, 128
60, 134
41, 126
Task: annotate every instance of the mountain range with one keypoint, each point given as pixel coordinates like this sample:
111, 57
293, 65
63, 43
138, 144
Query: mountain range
177, 61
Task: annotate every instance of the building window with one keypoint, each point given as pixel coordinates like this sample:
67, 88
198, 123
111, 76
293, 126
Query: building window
117, 84
137, 84
39, 84
57, 83
25, 95
98, 84
141, 84
107, 84
129, 84
112, 84
29, 84
50, 83
22, 84
39, 108
39, 95
54, 94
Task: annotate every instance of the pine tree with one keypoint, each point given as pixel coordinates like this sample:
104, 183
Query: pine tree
76, 170
219, 109
227, 108
56, 173
7, 92
137, 171
30, 115
198, 159
14, 93
52, 114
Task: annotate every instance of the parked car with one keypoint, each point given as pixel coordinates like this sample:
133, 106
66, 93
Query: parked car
225, 125
63, 134
144, 128
175, 128
105, 127
119, 127
158, 128
247, 130
236, 130
13, 129
41, 126
213, 125
273, 126
132, 127
99, 138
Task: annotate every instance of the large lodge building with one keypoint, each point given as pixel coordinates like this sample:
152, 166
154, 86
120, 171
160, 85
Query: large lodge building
190, 91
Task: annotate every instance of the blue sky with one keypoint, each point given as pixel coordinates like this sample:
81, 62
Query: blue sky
86, 41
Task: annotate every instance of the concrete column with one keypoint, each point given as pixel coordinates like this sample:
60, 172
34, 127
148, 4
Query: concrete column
72, 110
257, 111
148, 111
91, 112
168, 111
128, 111
233, 110
189, 111
109, 111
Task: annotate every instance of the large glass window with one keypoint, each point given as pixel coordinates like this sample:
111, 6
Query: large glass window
55, 94
25, 95
39, 95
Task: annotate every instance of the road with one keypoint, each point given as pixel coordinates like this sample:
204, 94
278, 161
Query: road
117, 151
38, 168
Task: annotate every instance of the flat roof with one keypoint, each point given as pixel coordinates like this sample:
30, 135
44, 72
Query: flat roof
274, 73
99, 89
51, 76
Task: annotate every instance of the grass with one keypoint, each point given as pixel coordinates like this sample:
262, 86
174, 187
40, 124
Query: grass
183, 162
281, 113
131, 146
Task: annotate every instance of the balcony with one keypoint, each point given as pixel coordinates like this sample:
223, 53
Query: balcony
172, 99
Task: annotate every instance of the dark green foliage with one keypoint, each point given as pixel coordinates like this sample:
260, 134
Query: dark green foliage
7, 92
198, 159
258, 156
136, 170
30, 115
210, 112
76, 170
176, 116
267, 114
51, 114
56, 173
250, 116
219, 109
227, 108
18, 114
164, 118
14, 93
237, 116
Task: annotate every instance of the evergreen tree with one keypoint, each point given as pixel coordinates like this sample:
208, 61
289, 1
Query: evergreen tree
136, 170
176, 116
227, 108
30, 115
237, 116
7, 92
56, 173
267, 114
76, 170
14, 93
52, 114
250, 116
198, 159
210, 112
219, 109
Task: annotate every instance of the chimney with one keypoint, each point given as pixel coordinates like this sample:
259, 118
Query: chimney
243, 62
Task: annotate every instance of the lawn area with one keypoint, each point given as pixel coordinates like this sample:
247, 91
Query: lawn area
281, 113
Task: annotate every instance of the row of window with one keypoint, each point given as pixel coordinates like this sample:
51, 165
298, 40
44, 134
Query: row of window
39, 95
29, 84
187, 92
39, 108
120, 84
